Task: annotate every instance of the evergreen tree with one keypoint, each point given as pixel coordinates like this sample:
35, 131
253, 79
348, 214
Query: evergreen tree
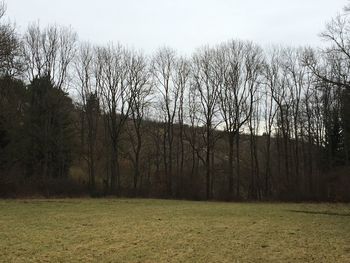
50, 131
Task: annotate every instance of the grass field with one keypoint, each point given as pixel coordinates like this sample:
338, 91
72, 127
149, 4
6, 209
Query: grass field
128, 230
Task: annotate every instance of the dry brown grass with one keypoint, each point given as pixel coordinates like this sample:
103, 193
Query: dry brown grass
124, 230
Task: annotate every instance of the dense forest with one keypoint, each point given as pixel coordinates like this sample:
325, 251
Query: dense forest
230, 122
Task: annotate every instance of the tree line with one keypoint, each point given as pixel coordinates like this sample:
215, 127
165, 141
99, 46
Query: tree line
232, 121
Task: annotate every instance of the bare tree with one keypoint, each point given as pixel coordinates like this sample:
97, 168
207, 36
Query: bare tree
138, 78
112, 82
277, 82
181, 82
337, 33
163, 64
240, 68
11, 62
296, 74
207, 85
311, 121
192, 134
89, 94
49, 52
254, 62
269, 118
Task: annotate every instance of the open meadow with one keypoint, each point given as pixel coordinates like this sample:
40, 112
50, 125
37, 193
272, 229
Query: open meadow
135, 230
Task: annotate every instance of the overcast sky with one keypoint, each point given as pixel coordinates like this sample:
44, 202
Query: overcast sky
182, 24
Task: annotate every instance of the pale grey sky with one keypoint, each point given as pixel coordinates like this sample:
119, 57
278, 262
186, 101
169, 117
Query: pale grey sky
182, 24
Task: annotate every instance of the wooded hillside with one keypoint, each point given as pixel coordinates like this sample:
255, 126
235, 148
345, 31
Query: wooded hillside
230, 122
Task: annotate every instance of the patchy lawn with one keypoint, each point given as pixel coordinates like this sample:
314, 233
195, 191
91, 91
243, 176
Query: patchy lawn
134, 230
